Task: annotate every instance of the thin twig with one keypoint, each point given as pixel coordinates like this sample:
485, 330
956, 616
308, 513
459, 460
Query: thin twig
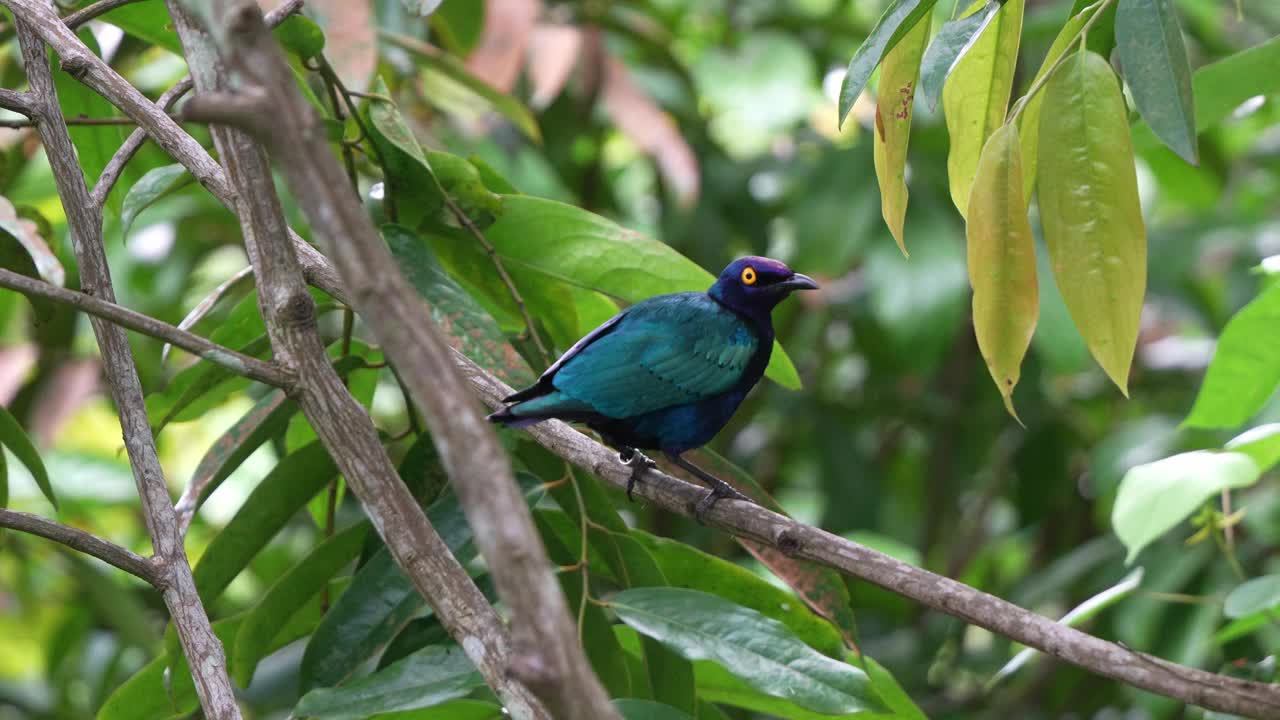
85, 542
224, 357
15, 100
85, 14
1044, 79
133, 143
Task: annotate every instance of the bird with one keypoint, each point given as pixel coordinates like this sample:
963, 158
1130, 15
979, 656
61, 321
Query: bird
668, 372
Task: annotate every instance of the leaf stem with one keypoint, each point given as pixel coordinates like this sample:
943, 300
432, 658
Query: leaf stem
1044, 79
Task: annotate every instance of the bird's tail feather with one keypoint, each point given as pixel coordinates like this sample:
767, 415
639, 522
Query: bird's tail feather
537, 409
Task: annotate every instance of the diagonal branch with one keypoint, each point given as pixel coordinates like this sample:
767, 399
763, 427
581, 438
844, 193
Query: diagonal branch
84, 220
227, 358
132, 144
85, 542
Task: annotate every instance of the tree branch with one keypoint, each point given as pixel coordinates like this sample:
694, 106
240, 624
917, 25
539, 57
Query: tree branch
342, 424
232, 360
15, 100
547, 654
133, 143
85, 542
84, 222
89, 12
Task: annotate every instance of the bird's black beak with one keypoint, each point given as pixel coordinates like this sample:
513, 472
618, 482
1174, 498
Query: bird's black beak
798, 282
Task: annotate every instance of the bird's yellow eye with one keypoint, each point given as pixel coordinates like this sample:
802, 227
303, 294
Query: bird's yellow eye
748, 276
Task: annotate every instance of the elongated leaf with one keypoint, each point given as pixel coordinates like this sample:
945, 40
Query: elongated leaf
153, 186
1156, 68
1261, 443
15, 438
893, 126
1029, 120
1157, 496
1002, 262
1219, 88
590, 251
637, 709
428, 677
289, 595
233, 289
1251, 596
27, 234
1090, 211
281, 494
948, 47
1245, 369
4, 481
759, 650
898, 19
975, 96
1083, 612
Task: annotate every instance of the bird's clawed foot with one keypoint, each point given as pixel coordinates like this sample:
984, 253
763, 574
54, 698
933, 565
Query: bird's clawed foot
719, 489
639, 464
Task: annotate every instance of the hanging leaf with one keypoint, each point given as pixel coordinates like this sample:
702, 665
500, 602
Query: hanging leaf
975, 96
893, 126
15, 438
1002, 262
1154, 60
1261, 443
759, 650
1090, 211
153, 186
27, 234
949, 47
1157, 496
1220, 87
898, 19
1245, 370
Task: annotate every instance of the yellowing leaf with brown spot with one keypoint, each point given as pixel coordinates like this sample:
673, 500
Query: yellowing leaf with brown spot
1002, 262
1089, 209
976, 95
898, 73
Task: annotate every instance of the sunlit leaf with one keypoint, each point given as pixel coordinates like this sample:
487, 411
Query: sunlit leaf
27, 234
975, 96
893, 126
1245, 369
1002, 262
948, 47
898, 19
1090, 211
1250, 596
300, 35
15, 438
1261, 443
1155, 497
1157, 71
759, 650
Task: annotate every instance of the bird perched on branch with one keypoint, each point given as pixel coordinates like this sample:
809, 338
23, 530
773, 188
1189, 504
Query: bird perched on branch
667, 373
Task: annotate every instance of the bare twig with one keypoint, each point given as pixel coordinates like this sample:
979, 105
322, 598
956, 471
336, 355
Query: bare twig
87, 13
85, 542
84, 220
343, 425
546, 655
15, 100
75, 120
227, 358
133, 143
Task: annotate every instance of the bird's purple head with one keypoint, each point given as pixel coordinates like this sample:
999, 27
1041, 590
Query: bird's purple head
754, 285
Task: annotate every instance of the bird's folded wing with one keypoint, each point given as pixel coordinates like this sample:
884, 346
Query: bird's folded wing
658, 358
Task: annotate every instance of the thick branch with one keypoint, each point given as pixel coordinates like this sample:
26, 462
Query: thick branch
15, 100
84, 221
548, 655
236, 362
747, 520
341, 422
85, 542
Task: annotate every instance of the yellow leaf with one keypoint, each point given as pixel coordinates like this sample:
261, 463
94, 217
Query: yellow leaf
898, 73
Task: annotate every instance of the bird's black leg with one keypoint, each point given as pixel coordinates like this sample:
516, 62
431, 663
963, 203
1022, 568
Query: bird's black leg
719, 488
639, 463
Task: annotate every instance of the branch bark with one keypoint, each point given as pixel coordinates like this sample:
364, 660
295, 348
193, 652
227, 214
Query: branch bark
85, 542
547, 654
340, 421
84, 221
236, 362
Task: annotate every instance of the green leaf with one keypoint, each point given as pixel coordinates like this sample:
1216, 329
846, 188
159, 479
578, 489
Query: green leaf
1081, 613
301, 36
428, 677
1002, 262
584, 249
1220, 87
4, 480
148, 22
95, 144
156, 184
975, 96
1029, 120
468, 328
26, 233
1090, 211
15, 438
718, 685
638, 709
898, 19
289, 595
454, 709
893, 127
1251, 596
199, 320
1261, 443
457, 26
1245, 369
1155, 497
281, 494
948, 47
894, 697
1157, 71
757, 649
